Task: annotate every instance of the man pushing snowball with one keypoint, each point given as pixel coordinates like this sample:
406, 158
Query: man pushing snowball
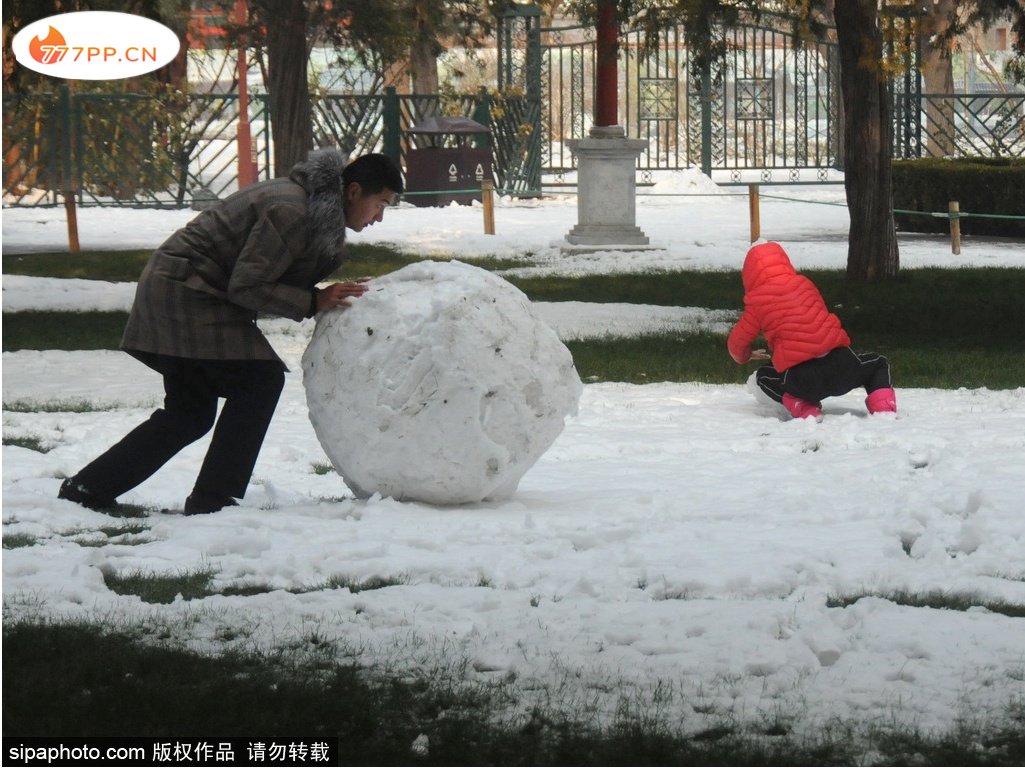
193, 321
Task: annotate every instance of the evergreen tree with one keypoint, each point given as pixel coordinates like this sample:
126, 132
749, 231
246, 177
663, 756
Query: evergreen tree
986, 13
438, 25
18, 14
374, 29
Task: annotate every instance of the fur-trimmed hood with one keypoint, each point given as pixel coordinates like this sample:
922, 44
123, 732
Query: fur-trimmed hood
321, 176
263, 249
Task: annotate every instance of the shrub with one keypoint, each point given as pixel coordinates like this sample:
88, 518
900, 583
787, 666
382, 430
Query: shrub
993, 186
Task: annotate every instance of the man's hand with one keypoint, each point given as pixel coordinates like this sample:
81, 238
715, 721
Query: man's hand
761, 354
338, 294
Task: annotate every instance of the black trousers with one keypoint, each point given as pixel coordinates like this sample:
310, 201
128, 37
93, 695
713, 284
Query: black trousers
836, 373
250, 389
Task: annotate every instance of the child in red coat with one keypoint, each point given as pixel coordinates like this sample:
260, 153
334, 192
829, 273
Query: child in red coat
811, 354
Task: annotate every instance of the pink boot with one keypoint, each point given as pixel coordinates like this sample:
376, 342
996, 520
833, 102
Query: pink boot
882, 400
800, 409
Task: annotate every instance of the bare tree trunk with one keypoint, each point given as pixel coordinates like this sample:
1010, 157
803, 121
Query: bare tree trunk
424, 64
287, 85
423, 58
938, 74
868, 143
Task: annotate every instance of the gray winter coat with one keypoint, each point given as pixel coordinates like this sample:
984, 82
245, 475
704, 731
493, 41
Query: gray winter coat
261, 250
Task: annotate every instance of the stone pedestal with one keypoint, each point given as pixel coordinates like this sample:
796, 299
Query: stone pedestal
606, 192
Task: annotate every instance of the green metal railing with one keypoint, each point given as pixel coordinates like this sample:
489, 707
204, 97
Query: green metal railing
764, 106
139, 150
961, 125
123, 149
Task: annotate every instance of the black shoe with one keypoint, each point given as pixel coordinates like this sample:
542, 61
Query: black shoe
73, 491
200, 503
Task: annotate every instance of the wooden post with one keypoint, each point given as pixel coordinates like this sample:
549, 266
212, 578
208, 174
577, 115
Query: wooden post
756, 219
488, 198
72, 214
69, 182
954, 212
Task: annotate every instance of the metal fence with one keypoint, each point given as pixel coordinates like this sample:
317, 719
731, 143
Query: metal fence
124, 149
960, 125
768, 110
766, 106
137, 150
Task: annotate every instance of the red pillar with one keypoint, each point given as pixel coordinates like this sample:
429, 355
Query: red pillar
247, 170
606, 111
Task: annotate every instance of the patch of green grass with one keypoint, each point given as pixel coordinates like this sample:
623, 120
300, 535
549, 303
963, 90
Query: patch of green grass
362, 260
374, 260
966, 744
126, 266
930, 365
44, 330
80, 682
114, 266
702, 357
247, 588
934, 599
161, 588
13, 541
121, 531
53, 407
947, 309
354, 584
371, 260
164, 588
719, 290
31, 442
494, 263
322, 468
88, 542
660, 357
124, 510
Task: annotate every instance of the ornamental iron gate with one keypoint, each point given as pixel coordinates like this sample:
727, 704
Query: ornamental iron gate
767, 110
766, 107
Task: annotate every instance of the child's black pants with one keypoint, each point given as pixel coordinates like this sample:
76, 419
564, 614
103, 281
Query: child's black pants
835, 373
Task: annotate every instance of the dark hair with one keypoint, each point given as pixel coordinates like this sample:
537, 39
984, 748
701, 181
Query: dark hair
374, 172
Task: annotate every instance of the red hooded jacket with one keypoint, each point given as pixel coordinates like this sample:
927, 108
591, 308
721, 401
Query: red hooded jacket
784, 307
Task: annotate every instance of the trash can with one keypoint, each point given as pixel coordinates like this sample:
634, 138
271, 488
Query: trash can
448, 162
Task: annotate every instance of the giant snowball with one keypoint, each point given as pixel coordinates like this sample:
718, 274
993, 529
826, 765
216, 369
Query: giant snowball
440, 384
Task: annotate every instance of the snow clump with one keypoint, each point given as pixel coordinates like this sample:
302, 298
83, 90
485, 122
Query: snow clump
441, 384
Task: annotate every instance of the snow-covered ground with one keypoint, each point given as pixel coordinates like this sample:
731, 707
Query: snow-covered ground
673, 552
